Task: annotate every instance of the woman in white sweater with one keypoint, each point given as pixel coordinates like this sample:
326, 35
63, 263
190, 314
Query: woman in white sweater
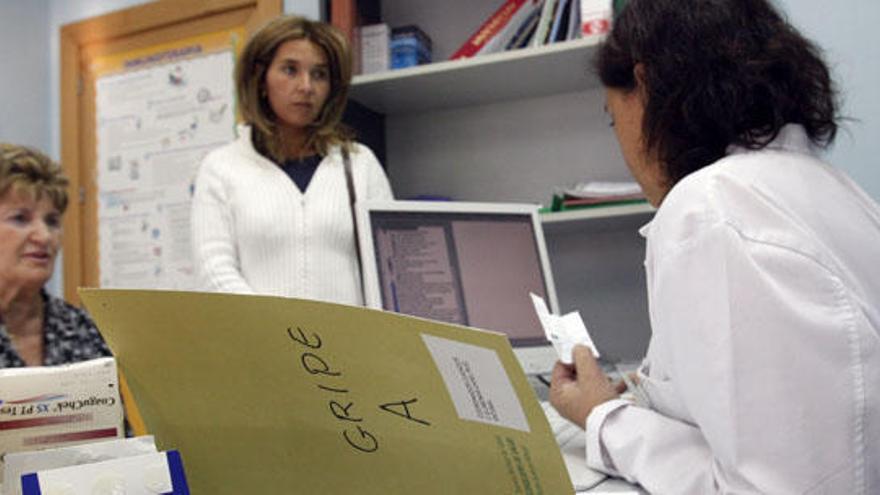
271, 211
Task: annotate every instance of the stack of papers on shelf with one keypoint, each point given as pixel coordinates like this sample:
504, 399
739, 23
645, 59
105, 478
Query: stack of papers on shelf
602, 189
596, 193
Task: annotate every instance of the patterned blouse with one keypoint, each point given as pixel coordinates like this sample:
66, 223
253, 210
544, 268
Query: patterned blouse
69, 336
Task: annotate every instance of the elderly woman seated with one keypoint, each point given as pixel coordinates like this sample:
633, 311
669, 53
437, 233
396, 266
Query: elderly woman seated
36, 329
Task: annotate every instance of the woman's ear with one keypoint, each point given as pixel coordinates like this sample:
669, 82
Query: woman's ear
640, 77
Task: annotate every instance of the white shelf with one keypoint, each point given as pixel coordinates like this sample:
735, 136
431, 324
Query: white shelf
526, 73
596, 212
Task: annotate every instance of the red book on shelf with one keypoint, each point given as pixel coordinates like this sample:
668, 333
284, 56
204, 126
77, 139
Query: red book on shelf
344, 16
348, 16
497, 30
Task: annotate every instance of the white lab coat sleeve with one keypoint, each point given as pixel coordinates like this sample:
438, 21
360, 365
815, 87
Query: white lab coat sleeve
758, 358
663, 454
213, 236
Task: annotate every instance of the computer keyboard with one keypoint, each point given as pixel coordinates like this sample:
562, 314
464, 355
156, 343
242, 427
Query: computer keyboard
572, 442
563, 429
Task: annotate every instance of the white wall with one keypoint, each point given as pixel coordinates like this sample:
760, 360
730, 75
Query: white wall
307, 8
63, 12
24, 88
847, 31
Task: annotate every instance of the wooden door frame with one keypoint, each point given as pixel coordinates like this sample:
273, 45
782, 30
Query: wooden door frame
75, 38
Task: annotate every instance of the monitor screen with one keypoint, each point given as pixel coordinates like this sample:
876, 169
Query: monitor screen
473, 264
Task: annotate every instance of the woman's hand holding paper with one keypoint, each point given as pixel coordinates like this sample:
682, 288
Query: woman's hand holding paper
577, 388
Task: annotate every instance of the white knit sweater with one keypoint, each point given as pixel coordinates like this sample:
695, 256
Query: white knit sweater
254, 232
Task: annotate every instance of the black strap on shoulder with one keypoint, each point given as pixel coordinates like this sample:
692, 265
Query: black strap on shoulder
352, 199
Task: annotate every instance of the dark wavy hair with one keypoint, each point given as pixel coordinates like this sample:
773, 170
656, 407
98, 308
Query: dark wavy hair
717, 73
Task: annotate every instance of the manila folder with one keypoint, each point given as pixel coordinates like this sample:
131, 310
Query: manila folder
275, 395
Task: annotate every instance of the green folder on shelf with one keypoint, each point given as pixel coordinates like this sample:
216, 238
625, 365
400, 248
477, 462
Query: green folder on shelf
559, 203
273, 395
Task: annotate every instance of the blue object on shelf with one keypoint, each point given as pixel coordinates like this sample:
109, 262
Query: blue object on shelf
409, 46
429, 197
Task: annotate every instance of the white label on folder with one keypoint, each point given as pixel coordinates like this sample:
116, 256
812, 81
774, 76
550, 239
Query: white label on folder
477, 382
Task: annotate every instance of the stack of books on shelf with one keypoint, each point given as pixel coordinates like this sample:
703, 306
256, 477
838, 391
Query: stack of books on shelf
597, 193
531, 23
515, 24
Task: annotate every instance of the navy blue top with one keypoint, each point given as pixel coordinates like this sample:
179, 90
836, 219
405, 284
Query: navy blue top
301, 170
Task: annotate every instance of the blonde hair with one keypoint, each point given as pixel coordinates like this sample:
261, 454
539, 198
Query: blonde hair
250, 81
26, 170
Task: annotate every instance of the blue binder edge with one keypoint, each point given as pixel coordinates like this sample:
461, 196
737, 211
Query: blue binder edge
30, 485
178, 477
557, 20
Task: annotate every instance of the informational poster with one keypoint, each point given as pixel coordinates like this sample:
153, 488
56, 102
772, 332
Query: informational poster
158, 112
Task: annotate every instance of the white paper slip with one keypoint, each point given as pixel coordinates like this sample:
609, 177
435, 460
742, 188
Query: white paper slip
27, 462
564, 332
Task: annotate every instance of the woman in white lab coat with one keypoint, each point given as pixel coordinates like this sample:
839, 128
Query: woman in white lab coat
762, 264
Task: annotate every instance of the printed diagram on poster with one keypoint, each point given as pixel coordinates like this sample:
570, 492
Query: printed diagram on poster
157, 116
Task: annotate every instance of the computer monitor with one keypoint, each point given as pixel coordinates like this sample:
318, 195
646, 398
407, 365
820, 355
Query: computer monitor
473, 264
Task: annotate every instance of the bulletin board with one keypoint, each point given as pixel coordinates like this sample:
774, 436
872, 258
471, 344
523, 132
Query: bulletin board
146, 92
